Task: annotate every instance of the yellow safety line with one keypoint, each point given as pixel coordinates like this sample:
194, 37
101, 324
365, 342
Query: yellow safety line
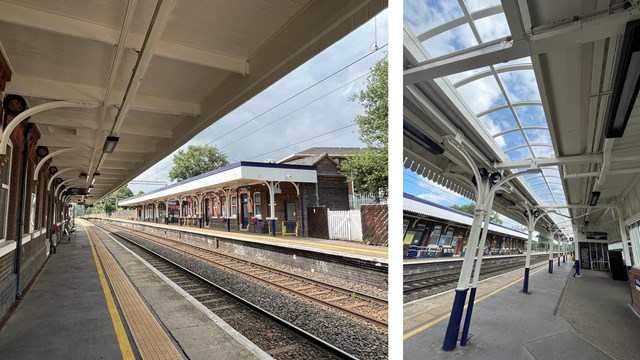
121, 334
446, 316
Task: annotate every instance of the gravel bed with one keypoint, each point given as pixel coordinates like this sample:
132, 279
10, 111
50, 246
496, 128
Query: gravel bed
362, 340
452, 285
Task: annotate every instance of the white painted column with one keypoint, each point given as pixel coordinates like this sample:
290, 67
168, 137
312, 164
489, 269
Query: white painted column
624, 239
635, 243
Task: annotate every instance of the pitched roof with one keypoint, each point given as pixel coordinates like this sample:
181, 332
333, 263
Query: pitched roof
332, 152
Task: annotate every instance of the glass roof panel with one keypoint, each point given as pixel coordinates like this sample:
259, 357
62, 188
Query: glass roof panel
524, 60
531, 115
510, 140
465, 74
492, 27
482, 94
456, 39
423, 15
538, 136
519, 154
498, 121
543, 151
520, 85
475, 5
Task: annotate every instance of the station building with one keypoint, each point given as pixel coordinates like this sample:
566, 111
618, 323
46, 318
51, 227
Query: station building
244, 204
445, 231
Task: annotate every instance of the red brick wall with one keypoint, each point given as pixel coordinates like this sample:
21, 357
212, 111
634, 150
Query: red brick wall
634, 278
375, 224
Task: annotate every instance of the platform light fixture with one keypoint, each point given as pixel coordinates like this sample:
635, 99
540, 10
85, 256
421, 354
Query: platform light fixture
110, 144
627, 82
595, 195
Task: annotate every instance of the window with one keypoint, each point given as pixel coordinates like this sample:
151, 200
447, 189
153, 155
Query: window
405, 226
435, 235
32, 214
215, 206
223, 204
234, 205
257, 205
4, 194
446, 239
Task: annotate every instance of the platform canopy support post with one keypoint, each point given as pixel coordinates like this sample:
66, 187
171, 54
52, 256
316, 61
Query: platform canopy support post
532, 216
453, 327
271, 185
494, 183
624, 239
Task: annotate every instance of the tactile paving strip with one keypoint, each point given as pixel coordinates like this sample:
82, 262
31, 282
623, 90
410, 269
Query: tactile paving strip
150, 338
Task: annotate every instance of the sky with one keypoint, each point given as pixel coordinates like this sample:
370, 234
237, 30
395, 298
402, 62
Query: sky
501, 101
321, 116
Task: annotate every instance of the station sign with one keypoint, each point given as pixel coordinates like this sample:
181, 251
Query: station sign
596, 235
75, 191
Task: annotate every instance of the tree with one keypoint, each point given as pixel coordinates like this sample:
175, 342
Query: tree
109, 204
195, 161
543, 241
369, 169
471, 207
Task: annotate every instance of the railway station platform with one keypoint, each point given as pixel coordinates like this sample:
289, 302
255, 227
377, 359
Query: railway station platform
351, 261
332, 247
96, 300
563, 318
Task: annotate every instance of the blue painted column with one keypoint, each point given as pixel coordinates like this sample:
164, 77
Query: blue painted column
453, 328
272, 226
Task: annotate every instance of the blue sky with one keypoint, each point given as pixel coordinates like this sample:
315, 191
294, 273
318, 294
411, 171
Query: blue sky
324, 109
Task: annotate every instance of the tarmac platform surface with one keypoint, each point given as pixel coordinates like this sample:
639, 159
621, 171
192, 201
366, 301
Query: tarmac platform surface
68, 314
562, 318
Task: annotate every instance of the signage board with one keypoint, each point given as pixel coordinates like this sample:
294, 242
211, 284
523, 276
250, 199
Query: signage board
596, 235
75, 191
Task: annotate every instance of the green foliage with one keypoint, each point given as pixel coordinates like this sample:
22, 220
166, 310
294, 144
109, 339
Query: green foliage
108, 204
543, 241
369, 169
195, 161
471, 207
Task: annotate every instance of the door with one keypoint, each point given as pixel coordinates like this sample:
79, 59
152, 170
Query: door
244, 211
206, 211
290, 210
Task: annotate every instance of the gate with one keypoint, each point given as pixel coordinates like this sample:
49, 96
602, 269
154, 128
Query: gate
345, 225
318, 224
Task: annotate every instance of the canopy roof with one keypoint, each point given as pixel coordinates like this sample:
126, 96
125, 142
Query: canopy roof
424, 207
527, 86
243, 173
159, 72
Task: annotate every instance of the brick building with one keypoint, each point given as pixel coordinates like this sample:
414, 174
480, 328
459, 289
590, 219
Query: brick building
27, 205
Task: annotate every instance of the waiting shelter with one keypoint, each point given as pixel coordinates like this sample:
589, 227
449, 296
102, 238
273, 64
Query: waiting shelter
245, 196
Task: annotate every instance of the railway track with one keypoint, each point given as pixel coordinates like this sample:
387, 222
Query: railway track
452, 276
358, 305
276, 336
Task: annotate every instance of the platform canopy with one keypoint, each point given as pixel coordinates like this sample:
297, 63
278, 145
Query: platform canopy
530, 85
158, 72
243, 173
424, 207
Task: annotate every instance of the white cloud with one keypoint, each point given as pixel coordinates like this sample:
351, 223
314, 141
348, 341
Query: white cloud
328, 113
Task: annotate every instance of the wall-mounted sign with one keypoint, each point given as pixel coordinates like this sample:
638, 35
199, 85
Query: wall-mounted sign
637, 284
75, 191
596, 235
